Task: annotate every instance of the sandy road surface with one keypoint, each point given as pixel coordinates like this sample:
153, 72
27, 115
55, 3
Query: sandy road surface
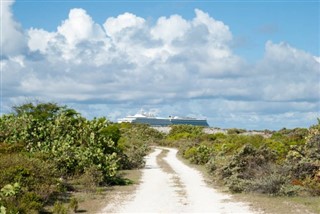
170, 186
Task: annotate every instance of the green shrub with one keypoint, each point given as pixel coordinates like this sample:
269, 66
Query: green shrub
6, 148
30, 201
9, 198
246, 165
211, 165
269, 184
33, 174
235, 131
312, 186
199, 155
178, 132
74, 204
91, 178
290, 190
236, 184
59, 208
190, 152
134, 144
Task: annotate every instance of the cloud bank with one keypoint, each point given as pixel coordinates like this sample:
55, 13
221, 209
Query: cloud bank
174, 66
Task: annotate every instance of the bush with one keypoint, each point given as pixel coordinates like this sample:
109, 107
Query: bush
211, 165
33, 174
178, 132
290, 190
198, 155
134, 144
74, 204
41, 143
59, 208
235, 131
269, 184
312, 186
30, 201
236, 184
91, 178
246, 165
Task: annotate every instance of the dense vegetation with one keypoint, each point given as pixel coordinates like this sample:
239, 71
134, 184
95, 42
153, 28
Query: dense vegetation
287, 163
47, 150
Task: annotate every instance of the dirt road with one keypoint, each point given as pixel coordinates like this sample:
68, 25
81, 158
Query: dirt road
170, 186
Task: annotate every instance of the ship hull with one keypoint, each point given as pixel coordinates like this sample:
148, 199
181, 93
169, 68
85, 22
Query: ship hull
168, 122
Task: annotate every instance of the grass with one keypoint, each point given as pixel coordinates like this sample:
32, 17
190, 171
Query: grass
281, 205
94, 202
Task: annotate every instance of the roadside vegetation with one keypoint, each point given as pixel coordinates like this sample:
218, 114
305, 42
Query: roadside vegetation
48, 151
285, 164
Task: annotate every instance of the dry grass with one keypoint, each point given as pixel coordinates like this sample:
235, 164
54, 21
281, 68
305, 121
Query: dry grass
93, 202
281, 205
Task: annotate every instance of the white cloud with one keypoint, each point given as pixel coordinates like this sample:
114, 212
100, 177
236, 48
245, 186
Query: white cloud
12, 38
126, 21
184, 67
287, 74
218, 31
170, 29
39, 39
80, 27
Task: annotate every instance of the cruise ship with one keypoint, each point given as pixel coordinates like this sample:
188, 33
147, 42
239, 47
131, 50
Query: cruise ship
147, 118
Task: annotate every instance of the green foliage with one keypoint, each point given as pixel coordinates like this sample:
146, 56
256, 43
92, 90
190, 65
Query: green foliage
271, 184
31, 201
249, 163
59, 208
303, 161
198, 155
265, 164
71, 142
10, 190
236, 159
91, 178
312, 186
43, 145
32, 174
13, 200
74, 204
235, 131
112, 132
134, 144
3, 209
178, 132
290, 190
36, 181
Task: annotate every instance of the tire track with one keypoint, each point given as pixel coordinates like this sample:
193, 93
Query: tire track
169, 186
177, 183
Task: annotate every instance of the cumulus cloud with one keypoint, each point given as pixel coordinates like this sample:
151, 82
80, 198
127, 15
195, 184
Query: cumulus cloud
176, 66
288, 74
80, 27
126, 21
169, 29
12, 38
39, 39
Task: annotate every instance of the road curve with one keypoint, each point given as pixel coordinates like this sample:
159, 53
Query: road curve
170, 186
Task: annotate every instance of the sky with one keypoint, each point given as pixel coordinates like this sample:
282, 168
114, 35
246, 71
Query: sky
244, 64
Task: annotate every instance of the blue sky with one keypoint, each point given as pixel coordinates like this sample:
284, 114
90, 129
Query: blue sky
251, 22
246, 64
